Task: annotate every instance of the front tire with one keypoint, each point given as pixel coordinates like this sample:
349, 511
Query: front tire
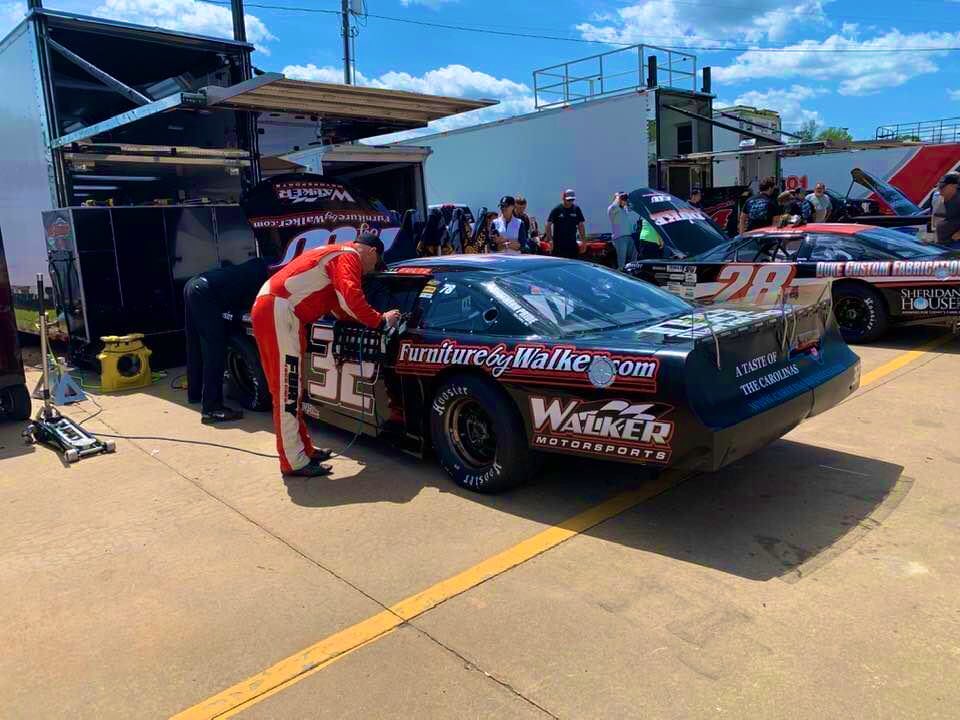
861, 313
478, 435
16, 400
245, 380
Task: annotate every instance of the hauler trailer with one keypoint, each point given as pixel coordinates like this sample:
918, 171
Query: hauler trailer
127, 150
599, 125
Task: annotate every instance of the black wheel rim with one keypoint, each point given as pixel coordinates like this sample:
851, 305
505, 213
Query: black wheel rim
853, 315
241, 373
472, 433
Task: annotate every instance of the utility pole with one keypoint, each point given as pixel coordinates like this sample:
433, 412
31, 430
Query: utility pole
345, 14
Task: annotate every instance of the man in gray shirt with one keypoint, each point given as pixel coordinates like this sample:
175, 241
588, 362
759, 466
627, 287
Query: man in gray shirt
948, 229
623, 223
822, 207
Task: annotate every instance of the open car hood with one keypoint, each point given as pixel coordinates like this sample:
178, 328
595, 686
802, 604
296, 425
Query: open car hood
897, 203
686, 230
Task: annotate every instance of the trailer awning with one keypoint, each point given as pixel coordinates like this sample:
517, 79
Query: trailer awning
341, 112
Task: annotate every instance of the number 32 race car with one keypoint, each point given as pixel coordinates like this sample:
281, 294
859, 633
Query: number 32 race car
505, 357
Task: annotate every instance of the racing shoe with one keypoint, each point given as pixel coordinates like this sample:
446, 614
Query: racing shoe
221, 415
312, 469
321, 454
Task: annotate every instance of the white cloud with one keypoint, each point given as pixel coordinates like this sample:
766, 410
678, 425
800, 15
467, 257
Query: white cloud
954, 94
11, 13
453, 80
658, 21
789, 103
861, 73
190, 16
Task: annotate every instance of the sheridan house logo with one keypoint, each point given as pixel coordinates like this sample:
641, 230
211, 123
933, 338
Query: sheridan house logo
608, 428
936, 301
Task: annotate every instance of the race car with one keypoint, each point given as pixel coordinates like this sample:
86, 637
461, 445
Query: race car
882, 277
504, 358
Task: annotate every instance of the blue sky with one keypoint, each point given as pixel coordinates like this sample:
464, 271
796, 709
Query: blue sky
840, 69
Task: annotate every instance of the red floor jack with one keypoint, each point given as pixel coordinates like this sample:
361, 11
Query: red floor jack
49, 426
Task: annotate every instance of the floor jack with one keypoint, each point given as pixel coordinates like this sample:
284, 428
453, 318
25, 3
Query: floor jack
49, 426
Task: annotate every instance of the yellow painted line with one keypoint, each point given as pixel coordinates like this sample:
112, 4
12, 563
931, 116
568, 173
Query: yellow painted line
318, 656
903, 360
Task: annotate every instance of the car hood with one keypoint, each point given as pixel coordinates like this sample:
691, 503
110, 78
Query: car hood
892, 197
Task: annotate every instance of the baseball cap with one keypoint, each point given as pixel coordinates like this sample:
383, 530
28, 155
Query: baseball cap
950, 179
569, 194
371, 240
507, 200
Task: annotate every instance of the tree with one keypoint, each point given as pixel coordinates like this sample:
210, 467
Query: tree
808, 131
836, 134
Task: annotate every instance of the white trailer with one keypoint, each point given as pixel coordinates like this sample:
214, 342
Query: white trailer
596, 147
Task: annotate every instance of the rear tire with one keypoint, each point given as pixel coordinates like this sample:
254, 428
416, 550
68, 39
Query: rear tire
245, 380
479, 436
861, 313
16, 400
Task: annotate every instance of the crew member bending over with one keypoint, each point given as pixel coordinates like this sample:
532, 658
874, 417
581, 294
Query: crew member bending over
319, 282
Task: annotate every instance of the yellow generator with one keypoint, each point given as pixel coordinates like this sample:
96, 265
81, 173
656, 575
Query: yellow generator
124, 363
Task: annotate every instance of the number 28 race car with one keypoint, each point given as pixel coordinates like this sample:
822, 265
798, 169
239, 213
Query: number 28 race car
505, 357
881, 276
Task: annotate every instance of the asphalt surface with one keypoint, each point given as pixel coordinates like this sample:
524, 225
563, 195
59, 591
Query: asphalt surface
816, 578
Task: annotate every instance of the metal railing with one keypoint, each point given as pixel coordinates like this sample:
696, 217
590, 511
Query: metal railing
927, 131
612, 73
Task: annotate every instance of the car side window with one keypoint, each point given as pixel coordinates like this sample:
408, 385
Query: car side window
770, 248
835, 248
467, 308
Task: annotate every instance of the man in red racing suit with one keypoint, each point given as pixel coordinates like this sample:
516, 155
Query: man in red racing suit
318, 282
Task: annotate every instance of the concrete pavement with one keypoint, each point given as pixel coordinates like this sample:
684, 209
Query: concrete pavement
813, 578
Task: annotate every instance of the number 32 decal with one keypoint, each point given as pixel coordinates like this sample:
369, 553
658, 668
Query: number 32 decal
755, 284
346, 384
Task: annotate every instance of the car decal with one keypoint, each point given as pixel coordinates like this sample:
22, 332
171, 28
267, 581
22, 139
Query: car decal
532, 363
611, 428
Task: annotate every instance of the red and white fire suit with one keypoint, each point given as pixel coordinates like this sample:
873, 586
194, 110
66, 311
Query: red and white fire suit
318, 282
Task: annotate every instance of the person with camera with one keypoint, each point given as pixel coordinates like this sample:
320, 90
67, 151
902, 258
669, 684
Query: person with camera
623, 224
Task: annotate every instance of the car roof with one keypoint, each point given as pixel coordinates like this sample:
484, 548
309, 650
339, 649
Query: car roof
832, 228
491, 262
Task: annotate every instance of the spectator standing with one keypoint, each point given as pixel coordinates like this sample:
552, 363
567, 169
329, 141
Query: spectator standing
696, 198
948, 229
651, 244
529, 221
822, 207
761, 210
623, 223
508, 238
565, 225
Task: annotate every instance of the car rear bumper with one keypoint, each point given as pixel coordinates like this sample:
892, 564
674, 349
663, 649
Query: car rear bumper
737, 441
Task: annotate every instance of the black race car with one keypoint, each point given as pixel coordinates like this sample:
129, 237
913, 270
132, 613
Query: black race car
504, 357
881, 276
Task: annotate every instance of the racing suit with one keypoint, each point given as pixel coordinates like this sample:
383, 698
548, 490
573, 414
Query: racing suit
318, 282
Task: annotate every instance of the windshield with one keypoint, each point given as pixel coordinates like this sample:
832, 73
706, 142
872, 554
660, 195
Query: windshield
898, 244
898, 202
688, 230
573, 298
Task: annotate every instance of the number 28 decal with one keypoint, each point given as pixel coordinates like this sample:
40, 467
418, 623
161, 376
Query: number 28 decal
755, 284
346, 384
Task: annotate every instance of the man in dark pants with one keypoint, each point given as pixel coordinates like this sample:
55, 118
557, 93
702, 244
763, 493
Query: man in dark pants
206, 297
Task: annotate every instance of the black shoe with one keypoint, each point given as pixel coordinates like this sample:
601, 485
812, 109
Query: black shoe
222, 415
321, 454
312, 469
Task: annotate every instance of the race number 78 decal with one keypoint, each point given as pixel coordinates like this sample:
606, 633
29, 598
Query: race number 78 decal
754, 284
346, 384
